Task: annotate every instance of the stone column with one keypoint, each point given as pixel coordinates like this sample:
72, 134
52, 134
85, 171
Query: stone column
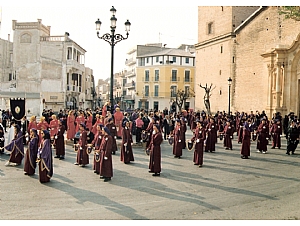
278, 84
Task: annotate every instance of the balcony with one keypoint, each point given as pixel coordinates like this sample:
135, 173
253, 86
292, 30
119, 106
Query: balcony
130, 85
72, 88
190, 80
177, 79
53, 38
128, 97
130, 62
129, 74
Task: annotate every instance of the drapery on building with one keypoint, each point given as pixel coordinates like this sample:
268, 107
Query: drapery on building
258, 49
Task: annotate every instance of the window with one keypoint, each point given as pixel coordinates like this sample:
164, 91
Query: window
155, 105
173, 91
187, 90
187, 76
147, 60
174, 76
156, 75
11, 57
232, 59
147, 76
210, 28
187, 60
9, 77
174, 59
157, 59
221, 49
146, 91
156, 90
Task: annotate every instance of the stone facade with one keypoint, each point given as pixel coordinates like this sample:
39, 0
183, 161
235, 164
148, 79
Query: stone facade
260, 53
51, 68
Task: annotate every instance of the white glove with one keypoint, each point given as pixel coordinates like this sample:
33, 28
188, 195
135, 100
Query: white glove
2, 138
80, 148
27, 139
230, 137
105, 158
125, 144
209, 129
179, 141
115, 137
131, 144
197, 140
55, 137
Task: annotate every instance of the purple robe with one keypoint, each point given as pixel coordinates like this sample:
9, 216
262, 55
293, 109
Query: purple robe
46, 162
199, 137
126, 152
31, 155
155, 153
16, 149
106, 168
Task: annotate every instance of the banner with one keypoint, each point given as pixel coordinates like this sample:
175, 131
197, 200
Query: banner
17, 108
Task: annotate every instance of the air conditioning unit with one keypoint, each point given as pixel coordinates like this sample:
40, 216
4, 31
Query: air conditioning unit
160, 62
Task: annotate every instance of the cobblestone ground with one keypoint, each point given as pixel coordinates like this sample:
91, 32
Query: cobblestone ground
264, 187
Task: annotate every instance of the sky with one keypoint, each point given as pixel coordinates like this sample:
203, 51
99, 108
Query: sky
153, 22
168, 22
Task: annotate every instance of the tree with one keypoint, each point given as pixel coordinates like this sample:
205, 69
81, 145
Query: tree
290, 12
207, 95
181, 96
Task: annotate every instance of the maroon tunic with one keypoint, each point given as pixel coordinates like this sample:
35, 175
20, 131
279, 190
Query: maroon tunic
228, 136
82, 156
276, 131
263, 135
113, 132
96, 143
126, 152
177, 146
211, 130
60, 141
30, 157
155, 153
149, 131
106, 167
199, 137
245, 149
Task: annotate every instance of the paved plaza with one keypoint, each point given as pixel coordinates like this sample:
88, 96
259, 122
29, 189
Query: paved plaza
266, 186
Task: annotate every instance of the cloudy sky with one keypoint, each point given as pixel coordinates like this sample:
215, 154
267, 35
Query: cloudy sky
150, 23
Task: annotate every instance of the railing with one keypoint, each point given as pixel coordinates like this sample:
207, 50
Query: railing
130, 73
128, 97
73, 88
52, 38
129, 85
177, 79
130, 61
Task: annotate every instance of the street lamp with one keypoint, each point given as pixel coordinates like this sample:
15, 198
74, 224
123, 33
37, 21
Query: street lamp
112, 39
229, 85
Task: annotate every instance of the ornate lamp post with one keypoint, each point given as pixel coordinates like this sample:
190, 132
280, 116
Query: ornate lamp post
229, 85
112, 39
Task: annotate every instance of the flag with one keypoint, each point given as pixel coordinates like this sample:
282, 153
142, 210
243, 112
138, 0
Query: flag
17, 107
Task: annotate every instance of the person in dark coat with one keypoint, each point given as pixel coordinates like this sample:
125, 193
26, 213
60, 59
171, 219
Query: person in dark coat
211, 130
44, 157
2, 138
96, 144
245, 149
166, 126
228, 135
106, 167
89, 135
263, 136
126, 147
292, 135
276, 132
113, 132
177, 134
24, 128
60, 141
198, 139
184, 129
31, 154
149, 131
82, 158
16, 148
155, 151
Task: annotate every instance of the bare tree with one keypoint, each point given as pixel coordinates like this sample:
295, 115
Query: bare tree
207, 95
181, 96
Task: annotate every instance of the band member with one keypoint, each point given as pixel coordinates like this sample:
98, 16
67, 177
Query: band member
113, 132
106, 168
211, 130
263, 136
71, 125
155, 151
42, 125
89, 120
96, 143
292, 135
199, 137
79, 120
177, 134
82, 158
99, 121
44, 158
126, 149
228, 135
53, 126
32, 123
276, 132
166, 126
16, 148
118, 116
31, 153
139, 126
149, 131
60, 141
184, 129
245, 149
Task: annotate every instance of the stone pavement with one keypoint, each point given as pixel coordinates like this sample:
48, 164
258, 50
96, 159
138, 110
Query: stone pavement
266, 186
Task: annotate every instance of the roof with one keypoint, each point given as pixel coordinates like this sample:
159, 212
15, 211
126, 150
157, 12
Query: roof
250, 18
169, 52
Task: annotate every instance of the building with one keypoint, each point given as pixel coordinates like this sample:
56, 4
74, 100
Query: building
47, 70
258, 49
161, 73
